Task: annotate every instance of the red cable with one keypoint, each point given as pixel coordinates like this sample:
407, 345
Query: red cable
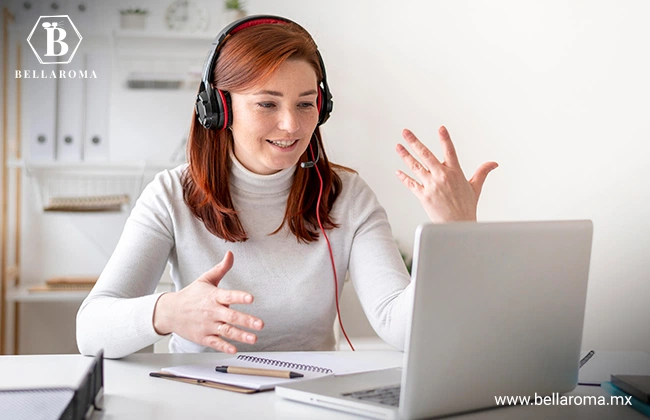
329, 247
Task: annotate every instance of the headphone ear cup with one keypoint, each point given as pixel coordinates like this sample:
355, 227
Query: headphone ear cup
202, 108
225, 109
206, 109
319, 103
325, 106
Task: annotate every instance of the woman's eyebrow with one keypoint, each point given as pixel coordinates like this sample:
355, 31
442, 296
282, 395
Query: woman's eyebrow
276, 93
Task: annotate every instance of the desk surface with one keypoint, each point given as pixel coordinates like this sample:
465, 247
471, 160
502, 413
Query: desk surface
130, 393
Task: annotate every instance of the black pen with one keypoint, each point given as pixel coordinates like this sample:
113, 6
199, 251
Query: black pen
586, 358
259, 372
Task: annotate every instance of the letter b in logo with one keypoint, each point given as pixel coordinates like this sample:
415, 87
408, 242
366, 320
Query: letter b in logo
52, 32
54, 39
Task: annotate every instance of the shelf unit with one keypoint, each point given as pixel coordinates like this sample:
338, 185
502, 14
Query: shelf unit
81, 177
15, 169
85, 175
23, 295
148, 165
160, 59
84, 187
9, 270
163, 35
92, 184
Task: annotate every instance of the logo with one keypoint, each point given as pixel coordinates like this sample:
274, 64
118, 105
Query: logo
54, 39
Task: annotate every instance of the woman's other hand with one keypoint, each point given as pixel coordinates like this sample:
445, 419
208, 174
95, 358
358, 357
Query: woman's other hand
200, 312
443, 190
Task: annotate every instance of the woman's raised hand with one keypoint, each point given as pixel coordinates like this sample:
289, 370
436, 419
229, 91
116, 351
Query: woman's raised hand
200, 312
441, 187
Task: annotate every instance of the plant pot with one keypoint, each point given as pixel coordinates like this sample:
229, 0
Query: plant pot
132, 21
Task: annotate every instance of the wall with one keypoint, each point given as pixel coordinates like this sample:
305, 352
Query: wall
554, 91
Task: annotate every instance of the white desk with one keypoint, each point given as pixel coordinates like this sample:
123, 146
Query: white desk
130, 393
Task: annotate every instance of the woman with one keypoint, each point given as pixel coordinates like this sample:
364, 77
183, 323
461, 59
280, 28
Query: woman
260, 199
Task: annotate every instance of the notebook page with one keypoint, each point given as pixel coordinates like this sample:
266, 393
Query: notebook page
206, 371
339, 363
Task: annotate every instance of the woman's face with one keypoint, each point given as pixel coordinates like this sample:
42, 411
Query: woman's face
273, 123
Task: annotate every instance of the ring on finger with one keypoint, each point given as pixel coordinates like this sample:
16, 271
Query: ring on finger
219, 328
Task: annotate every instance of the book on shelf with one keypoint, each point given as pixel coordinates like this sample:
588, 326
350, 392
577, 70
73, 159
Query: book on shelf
65, 284
88, 203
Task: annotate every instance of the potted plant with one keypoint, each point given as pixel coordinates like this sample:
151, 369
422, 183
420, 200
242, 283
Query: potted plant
133, 18
408, 260
234, 9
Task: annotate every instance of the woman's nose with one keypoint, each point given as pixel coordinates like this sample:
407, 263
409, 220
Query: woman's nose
289, 121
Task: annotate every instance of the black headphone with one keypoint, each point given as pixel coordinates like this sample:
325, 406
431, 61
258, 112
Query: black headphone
213, 108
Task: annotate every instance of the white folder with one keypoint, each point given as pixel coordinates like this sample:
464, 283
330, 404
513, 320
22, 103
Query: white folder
39, 110
97, 96
70, 118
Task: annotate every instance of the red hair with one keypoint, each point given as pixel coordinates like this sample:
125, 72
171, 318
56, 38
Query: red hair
246, 60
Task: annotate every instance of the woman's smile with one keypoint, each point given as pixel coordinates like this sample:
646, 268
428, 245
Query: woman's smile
274, 121
285, 145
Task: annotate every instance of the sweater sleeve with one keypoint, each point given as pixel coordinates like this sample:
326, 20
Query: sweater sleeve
376, 268
117, 315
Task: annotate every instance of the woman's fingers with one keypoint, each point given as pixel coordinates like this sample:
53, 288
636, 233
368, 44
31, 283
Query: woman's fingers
219, 344
202, 313
428, 158
222, 331
216, 273
481, 173
418, 169
234, 317
410, 183
233, 297
451, 158
444, 192
233, 333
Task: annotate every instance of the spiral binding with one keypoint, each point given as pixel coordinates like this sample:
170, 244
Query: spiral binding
282, 364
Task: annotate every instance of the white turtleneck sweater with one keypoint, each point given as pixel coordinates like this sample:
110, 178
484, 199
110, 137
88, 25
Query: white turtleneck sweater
292, 282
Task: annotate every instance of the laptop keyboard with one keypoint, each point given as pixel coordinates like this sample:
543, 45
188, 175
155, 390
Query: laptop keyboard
388, 395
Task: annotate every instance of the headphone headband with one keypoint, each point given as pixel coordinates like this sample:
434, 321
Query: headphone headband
213, 109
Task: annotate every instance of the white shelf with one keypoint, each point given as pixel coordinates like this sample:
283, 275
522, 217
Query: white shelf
159, 35
89, 186
74, 165
85, 187
148, 165
22, 295
15, 163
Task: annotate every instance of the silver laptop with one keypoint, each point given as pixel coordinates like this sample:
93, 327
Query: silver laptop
498, 311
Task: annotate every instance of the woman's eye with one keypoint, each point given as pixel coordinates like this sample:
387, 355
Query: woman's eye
307, 105
265, 104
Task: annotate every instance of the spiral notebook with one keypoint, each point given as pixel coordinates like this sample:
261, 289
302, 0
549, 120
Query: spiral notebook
311, 364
